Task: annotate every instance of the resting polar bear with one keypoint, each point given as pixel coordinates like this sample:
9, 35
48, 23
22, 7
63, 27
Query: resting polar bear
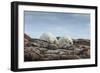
62, 42
49, 37
65, 42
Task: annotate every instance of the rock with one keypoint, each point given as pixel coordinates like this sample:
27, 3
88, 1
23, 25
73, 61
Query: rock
52, 52
88, 53
52, 46
83, 50
32, 54
52, 57
69, 57
27, 37
84, 46
26, 42
62, 50
67, 47
64, 53
39, 43
82, 42
85, 54
77, 51
35, 49
43, 50
35, 44
72, 53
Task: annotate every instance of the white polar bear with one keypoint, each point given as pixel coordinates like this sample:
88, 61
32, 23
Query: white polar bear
49, 37
65, 42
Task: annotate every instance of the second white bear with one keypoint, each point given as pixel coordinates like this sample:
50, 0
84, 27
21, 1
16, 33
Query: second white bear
65, 42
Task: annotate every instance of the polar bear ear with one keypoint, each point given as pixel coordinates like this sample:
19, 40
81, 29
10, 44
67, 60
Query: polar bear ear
70, 40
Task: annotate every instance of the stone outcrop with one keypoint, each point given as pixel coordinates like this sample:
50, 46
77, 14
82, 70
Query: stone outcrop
41, 50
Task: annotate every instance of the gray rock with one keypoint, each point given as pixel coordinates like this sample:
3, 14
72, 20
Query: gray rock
32, 54
52, 52
77, 51
27, 37
64, 53
70, 57
40, 43
52, 57
82, 42
43, 50
85, 54
35, 44
52, 46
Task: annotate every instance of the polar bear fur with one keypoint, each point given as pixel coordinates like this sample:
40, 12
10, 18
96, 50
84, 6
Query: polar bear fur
65, 42
49, 37
62, 42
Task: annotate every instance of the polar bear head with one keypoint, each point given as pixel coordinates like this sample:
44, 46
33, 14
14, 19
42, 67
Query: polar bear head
65, 41
49, 37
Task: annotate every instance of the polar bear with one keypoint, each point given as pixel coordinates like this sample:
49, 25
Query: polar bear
65, 41
49, 37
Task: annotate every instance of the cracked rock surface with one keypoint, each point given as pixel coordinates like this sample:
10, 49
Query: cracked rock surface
40, 50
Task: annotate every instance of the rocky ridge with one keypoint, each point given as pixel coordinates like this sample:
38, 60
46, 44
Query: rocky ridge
40, 50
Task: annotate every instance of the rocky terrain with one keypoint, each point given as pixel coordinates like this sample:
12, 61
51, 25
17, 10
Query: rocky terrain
40, 50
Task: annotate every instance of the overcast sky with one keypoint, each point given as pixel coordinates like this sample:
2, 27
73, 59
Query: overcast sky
59, 24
